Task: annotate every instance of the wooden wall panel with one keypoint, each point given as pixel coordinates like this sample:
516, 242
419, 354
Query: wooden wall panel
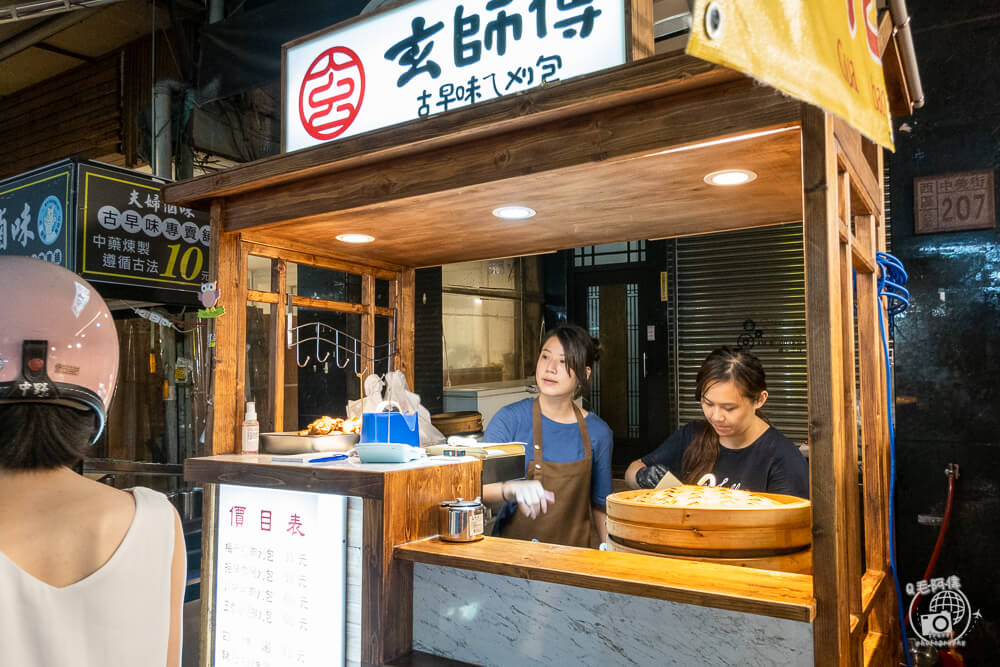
73, 114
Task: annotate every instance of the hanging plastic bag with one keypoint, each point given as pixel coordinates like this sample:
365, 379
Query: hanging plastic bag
398, 392
372, 398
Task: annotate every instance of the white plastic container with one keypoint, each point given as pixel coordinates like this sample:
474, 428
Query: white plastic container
251, 430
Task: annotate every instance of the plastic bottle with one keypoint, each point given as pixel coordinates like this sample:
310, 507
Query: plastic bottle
251, 430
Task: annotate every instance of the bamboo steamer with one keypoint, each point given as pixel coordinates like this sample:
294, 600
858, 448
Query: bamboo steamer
796, 562
457, 423
758, 530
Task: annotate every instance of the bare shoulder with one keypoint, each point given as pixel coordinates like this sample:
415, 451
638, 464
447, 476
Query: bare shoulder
108, 497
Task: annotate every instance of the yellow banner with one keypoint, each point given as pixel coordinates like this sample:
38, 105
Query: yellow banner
824, 52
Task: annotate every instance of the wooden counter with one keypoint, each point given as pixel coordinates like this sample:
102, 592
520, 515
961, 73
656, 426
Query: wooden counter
763, 592
396, 503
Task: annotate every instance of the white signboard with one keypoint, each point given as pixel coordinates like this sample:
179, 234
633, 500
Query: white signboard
279, 597
428, 56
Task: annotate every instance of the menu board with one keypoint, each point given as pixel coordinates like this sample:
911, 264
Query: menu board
35, 219
280, 578
129, 236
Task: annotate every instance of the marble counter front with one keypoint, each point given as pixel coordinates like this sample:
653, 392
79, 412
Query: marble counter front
501, 621
508, 602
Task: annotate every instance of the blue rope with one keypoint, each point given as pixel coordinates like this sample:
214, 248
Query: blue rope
892, 277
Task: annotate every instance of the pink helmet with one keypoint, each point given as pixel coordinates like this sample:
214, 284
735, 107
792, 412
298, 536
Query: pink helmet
58, 342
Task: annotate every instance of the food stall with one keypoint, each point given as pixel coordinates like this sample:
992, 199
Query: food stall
617, 154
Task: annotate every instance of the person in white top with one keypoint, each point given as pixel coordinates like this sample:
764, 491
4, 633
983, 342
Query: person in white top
90, 576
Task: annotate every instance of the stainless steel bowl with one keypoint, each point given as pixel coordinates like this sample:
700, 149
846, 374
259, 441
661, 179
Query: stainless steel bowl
461, 520
293, 443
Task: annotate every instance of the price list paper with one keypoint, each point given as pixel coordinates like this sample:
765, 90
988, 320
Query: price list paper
280, 582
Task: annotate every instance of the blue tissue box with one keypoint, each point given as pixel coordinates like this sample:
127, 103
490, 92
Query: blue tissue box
396, 427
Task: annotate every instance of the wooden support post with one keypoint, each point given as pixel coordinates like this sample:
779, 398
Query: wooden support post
405, 304
279, 327
368, 321
240, 315
225, 257
826, 381
639, 38
847, 485
209, 510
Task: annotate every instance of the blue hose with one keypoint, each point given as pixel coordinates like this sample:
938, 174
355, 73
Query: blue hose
892, 277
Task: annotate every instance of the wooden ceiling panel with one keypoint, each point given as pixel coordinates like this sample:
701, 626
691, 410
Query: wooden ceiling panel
645, 197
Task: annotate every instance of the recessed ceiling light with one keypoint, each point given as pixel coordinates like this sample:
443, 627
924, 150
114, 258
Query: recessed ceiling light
355, 238
514, 212
730, 177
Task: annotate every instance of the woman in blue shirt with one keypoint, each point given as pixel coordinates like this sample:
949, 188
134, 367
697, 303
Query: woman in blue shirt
568, 453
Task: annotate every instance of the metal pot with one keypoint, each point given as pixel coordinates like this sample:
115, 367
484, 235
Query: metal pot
461, 520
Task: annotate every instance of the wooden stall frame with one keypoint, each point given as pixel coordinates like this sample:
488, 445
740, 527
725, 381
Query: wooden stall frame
230, 364
619, 117
843, 229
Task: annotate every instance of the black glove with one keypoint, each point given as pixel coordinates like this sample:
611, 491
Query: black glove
650, 476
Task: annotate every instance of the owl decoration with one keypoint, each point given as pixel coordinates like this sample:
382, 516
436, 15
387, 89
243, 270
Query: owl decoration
209, 294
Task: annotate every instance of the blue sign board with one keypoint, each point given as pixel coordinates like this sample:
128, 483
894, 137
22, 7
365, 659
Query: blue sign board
36, 215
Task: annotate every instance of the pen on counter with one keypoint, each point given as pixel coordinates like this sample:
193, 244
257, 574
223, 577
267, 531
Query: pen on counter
327, 459
308, 458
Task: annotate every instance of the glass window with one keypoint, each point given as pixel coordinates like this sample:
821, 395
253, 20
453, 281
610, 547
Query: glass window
385, 346
321, 373
494, 274
381, 293
492, 319
317, 283
480, 339
259, 273
259, 367
626, 252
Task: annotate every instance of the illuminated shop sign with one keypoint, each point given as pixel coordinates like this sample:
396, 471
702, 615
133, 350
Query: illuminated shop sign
280, 578
427, 57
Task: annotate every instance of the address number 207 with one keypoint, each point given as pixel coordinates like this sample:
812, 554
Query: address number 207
192, 255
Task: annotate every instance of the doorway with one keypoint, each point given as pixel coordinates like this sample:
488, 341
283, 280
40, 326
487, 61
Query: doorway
610, 304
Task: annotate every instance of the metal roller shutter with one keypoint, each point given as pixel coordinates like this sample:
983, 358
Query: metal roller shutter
739, 287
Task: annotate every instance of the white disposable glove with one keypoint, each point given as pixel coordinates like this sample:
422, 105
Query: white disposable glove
532, 498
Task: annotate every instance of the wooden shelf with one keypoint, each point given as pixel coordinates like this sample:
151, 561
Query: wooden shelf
763, 592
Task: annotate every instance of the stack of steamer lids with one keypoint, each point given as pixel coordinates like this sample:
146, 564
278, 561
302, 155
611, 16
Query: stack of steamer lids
763, 530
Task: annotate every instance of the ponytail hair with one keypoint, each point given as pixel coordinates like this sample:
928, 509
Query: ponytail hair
722, 365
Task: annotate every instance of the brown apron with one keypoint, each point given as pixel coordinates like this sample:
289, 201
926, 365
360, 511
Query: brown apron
567, 521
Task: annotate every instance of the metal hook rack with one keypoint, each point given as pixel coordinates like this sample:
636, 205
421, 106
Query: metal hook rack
345, 347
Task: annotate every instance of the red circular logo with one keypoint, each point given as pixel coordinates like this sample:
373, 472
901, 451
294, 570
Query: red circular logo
35, 364
331, 93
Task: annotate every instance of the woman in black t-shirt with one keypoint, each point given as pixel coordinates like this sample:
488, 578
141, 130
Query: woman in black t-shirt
734, 446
